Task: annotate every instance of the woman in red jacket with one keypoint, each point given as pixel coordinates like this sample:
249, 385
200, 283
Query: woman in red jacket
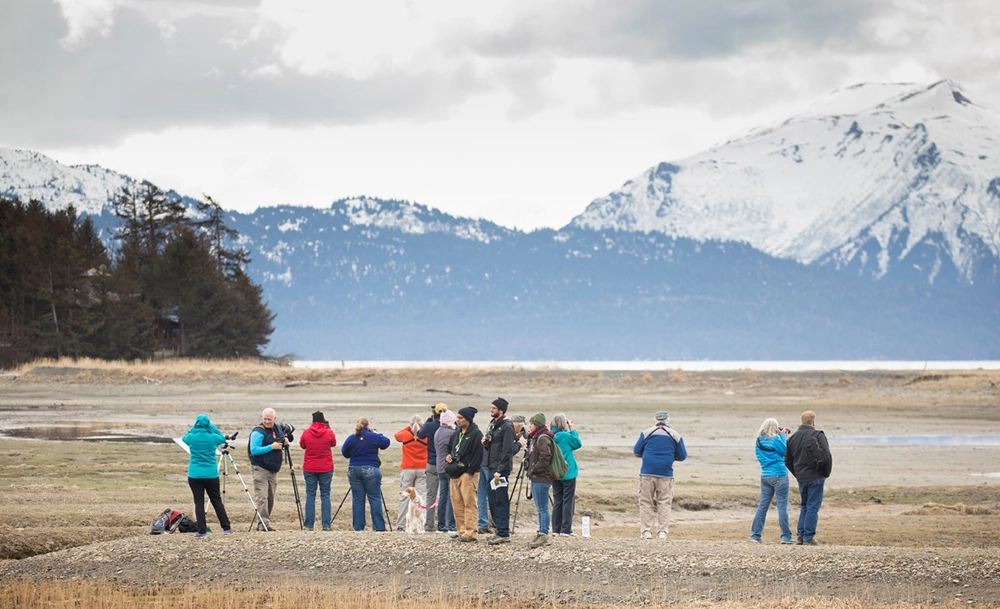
317, 468
414, 465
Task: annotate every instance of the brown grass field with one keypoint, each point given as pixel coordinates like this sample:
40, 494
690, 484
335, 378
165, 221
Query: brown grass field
925, 497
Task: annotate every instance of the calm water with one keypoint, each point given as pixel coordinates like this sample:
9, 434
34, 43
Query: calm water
690, 366
929, 440
92, 433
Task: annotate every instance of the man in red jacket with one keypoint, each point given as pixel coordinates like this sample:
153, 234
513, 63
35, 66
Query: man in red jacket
317, 468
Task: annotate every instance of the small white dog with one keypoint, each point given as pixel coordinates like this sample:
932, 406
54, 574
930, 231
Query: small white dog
415, 514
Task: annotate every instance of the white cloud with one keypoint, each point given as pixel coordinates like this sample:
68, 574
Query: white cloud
85, 19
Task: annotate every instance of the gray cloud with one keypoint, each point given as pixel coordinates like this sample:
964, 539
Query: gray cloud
134, 80
650, 30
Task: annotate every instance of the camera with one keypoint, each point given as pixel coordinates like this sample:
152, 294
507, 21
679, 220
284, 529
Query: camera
229, 439
287, 430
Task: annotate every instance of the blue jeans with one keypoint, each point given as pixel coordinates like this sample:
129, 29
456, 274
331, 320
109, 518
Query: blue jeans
483, 496
812, 498
312, 481
772, 486
366, 481
540, 494
445, 513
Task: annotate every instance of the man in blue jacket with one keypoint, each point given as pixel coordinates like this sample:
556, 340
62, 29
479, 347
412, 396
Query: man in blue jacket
266, 443
658, 446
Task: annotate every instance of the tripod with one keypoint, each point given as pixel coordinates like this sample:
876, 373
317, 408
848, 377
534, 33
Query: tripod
295, 485
388, 520
225, 475
513, 491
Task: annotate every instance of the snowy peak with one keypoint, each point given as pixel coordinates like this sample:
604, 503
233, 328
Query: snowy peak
30, 175
413, 219
873, 170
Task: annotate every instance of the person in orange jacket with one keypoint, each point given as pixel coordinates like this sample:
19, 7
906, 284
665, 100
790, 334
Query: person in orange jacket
413, 467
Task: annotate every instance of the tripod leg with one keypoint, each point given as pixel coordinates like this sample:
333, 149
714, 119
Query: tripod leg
388, 519
295, 487
341, 505
247, 491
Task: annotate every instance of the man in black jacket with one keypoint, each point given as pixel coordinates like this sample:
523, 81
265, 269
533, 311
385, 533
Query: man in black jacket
427, 432
465, 457
808, 458
499, 441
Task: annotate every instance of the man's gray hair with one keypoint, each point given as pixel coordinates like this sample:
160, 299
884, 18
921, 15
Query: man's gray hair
268, 411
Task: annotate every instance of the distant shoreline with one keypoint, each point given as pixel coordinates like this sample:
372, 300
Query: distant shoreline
640, 366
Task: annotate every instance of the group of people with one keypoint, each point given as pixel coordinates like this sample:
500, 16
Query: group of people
464, 475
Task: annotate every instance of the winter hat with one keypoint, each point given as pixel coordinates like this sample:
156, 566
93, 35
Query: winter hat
661, 415
439, 408
468, 413
538, 419
448, 419
501, 404
318, 417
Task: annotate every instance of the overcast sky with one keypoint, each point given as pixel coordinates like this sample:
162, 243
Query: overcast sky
517, 112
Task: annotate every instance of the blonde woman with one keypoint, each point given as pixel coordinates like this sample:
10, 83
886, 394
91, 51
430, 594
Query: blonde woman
364, 475
772, 442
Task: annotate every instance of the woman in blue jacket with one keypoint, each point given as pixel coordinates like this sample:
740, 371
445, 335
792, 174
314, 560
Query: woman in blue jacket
564, 489
203, 473
771, 443
364, 475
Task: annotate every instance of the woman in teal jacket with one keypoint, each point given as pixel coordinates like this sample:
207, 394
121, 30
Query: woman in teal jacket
203, 473
772, 441
564, 489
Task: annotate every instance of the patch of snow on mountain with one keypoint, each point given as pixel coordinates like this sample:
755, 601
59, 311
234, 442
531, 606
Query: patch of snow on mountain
291, 225
30, 175
917, 163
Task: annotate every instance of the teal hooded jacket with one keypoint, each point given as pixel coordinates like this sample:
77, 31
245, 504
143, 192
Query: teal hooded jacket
203, 439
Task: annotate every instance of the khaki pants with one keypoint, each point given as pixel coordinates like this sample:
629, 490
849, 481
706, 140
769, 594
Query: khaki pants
464, 495
265, 484
656, 494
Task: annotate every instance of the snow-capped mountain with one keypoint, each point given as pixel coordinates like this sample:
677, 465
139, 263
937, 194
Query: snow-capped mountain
30, 175
867, 227
862, 178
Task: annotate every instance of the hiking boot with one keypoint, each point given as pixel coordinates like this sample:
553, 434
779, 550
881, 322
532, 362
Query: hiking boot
647, 535
484, 531
540, 540
461, 538
228, 532
201, 535
327, 528
811, 542
798, 540
755, 540
499, 540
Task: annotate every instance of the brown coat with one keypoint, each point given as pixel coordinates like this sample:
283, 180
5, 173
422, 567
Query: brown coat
540, 457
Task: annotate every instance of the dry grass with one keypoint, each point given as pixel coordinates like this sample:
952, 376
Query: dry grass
104, 595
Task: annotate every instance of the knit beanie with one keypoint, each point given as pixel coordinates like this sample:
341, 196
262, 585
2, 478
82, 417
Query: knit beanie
468, 413
439, 408
501, 404
448, 419
661, 415
318, 417
538, 419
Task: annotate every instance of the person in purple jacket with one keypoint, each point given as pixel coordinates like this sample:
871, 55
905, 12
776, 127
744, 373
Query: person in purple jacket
658, 446
772, 441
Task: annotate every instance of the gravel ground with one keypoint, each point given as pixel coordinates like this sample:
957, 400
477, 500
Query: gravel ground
603, 571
